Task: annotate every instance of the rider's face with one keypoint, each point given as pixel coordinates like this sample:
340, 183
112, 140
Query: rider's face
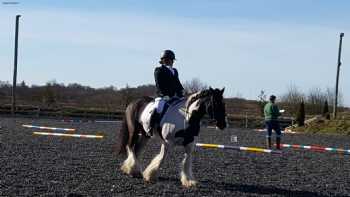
168, 61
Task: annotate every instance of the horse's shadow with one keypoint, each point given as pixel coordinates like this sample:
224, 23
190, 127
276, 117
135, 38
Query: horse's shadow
208, 186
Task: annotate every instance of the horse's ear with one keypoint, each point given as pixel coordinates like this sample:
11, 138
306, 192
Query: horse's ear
222, 91
210, 89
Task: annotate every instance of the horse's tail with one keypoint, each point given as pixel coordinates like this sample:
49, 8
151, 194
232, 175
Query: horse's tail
129, 131
123, 137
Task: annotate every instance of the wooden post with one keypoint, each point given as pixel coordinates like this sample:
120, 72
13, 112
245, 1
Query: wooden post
14, 84
335, 106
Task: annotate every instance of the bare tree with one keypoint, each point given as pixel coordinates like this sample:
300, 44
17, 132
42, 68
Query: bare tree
315, 100
330, 94
293, 95
292, 98
127, 95
48, 95
194, 85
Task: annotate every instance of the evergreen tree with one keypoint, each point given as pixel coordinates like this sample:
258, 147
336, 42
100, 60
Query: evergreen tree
325, 112
300, 118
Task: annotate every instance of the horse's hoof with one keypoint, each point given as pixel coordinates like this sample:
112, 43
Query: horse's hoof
125, 169
148, 179
189, 183
130, 171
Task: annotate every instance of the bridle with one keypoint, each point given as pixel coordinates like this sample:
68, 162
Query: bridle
207, 101
212, 115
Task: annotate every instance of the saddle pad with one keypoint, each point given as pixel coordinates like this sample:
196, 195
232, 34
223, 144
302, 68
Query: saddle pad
146, 116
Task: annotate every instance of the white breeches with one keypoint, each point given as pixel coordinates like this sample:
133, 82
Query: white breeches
159, 104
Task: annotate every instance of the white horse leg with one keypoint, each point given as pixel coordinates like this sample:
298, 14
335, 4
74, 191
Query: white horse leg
187, 179
131, 165
151, 171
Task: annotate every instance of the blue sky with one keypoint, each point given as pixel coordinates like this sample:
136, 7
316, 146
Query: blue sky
245, 46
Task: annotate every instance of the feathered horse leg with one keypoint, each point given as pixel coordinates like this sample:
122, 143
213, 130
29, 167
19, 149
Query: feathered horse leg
139, 150
150, 173
131, 165
187, 178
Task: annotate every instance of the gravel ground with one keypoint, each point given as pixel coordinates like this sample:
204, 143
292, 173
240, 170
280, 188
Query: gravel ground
62, 166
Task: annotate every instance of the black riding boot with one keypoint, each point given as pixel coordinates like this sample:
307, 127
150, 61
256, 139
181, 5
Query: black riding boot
153, 122
278, 143
268, 143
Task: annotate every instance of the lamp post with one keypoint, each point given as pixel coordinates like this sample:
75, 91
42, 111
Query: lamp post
335, 106
13, 109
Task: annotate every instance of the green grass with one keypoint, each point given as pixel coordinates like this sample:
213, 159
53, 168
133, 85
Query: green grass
340, 126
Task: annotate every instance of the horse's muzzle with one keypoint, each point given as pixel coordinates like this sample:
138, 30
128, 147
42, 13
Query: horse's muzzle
220, 125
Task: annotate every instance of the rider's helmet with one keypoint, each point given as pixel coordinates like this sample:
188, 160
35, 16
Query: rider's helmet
167, 54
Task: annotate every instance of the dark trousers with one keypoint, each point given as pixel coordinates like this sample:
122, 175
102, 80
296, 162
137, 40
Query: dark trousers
273, 125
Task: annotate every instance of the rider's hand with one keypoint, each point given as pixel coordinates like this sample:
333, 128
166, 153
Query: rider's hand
166, 98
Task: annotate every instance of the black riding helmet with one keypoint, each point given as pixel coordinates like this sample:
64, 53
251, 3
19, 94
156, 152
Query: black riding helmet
169, 54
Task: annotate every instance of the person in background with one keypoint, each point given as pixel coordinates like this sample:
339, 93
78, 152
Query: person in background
271, 113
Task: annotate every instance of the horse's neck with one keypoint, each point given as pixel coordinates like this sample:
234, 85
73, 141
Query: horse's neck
195, 111
177, 107
188, 110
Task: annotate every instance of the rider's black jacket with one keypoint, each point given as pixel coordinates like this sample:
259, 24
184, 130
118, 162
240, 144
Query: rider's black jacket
167, 83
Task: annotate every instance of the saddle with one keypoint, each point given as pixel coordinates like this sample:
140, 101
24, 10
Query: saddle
148, 110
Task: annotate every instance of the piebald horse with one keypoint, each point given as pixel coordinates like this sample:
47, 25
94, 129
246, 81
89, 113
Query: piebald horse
179, 126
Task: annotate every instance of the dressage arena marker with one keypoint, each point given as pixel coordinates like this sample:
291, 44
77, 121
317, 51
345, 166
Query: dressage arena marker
69, 135
240, 148
317, 148
48, 128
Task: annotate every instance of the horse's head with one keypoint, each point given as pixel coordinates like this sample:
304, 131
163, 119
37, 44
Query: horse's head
209, 102
215, 107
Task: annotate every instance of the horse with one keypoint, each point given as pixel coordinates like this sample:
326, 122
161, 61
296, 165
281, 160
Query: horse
178, 127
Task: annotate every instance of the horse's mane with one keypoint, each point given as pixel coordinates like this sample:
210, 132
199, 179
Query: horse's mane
195, 96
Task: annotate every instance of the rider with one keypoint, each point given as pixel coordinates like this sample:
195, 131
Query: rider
272, 113
168, 85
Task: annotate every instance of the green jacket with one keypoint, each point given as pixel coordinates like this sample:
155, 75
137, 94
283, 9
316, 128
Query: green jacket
271, 111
